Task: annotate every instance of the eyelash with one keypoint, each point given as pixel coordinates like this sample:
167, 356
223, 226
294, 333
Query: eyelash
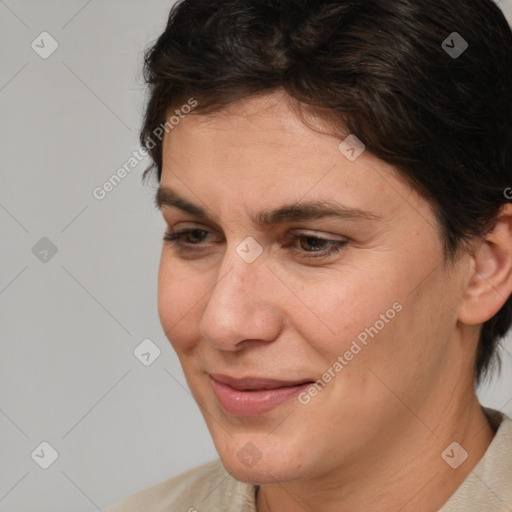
334, 246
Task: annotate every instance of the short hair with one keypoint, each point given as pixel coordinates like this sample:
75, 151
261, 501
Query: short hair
397, 74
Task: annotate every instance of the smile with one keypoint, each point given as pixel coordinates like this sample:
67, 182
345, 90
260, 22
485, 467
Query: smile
254, 396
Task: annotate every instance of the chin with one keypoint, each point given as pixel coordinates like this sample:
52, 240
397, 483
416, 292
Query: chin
259, 474
268, 466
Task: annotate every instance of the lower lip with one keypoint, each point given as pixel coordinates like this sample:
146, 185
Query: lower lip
253, 403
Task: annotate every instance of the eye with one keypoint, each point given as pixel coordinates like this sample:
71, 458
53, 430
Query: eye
310, 246
320, 247
192, 237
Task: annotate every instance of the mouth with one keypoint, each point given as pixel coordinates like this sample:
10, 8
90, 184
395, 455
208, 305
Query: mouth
254, 396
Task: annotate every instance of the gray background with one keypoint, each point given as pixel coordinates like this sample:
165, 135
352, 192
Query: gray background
71, 321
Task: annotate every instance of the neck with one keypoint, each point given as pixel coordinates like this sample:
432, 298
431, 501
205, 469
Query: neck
407, 473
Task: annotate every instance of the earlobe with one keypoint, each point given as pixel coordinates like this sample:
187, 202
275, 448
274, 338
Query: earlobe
489, 282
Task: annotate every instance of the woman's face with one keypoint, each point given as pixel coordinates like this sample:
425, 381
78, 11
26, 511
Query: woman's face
259, 305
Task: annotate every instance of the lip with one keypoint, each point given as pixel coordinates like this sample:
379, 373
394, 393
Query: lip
254, 396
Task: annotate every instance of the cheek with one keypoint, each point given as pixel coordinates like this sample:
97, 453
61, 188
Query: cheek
349, 306
380, 317
179, 304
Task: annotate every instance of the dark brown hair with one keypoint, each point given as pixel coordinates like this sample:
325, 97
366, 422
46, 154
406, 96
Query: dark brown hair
392, 74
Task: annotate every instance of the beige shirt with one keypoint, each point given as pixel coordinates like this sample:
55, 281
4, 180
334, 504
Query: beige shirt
209, 488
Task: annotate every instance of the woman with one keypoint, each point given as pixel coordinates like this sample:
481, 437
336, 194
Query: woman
337, 268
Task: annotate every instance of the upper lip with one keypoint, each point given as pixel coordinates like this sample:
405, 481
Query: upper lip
252, 383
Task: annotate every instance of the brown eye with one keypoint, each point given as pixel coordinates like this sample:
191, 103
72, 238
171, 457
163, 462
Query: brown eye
319, 247
194, 236
191, 236
312, 243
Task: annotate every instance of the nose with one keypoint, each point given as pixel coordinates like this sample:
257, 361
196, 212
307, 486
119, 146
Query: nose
242, 306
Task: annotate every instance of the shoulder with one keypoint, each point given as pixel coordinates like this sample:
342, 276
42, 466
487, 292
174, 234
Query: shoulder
206, 487
489, 485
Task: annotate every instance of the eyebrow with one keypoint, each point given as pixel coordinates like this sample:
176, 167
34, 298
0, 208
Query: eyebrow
298, 211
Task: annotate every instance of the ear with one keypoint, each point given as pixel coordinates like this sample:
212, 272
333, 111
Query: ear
490, 274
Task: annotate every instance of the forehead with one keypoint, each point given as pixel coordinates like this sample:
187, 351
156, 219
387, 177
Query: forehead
259, 152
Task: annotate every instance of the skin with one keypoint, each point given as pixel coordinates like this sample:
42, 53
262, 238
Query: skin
372, 439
